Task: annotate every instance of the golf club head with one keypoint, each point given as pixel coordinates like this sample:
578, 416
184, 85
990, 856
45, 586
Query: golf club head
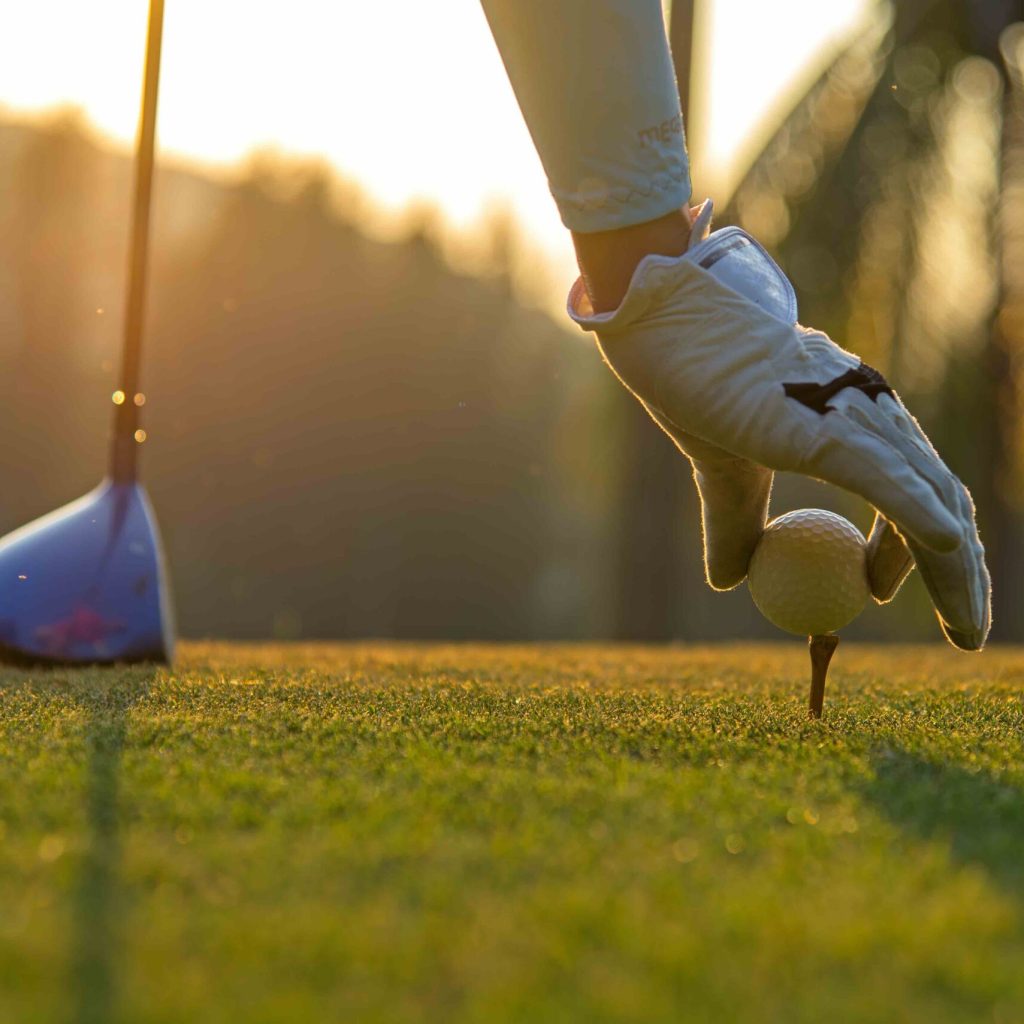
87, 583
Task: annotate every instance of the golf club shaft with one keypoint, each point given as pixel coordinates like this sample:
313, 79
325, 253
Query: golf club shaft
124, 451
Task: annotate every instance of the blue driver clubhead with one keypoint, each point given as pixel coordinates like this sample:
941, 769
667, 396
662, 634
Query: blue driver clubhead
87, 583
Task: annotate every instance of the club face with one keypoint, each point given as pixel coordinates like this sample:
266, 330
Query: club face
87, 583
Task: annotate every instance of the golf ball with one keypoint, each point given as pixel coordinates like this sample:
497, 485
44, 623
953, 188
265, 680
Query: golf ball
808, 574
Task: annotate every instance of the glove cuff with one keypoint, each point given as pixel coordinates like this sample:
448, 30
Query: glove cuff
732, 257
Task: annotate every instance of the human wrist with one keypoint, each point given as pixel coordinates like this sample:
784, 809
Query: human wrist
608, 259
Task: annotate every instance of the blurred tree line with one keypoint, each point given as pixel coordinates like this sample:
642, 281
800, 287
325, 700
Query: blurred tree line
346, 438
349, 438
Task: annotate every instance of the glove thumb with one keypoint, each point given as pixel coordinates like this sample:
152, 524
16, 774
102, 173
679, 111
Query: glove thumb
734, 497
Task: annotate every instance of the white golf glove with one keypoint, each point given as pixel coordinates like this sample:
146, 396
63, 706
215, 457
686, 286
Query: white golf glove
709, 343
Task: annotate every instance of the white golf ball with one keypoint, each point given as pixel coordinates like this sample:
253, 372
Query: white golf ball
808, 574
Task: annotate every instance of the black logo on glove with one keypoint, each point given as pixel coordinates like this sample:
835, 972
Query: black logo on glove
816, 396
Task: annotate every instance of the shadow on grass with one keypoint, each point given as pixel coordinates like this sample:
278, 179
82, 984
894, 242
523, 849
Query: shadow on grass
978, 814
98, 901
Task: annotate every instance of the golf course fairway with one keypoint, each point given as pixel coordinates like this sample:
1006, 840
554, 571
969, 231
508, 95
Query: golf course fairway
409, 833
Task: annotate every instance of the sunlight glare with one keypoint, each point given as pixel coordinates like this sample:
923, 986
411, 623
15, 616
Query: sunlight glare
409, 99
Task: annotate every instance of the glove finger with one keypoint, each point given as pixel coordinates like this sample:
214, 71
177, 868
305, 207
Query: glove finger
959, 586
734, 499
957, 581
861, 461
888, 418
734, 495
889, 560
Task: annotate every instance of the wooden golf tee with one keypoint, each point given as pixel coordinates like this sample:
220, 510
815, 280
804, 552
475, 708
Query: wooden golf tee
822, 648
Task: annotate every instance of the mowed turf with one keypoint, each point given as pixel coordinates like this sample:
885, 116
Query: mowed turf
449, 834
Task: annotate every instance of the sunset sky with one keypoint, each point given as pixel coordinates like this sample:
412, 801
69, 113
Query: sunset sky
410, 98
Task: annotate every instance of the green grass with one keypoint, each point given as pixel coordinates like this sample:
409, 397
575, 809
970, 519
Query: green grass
415, 834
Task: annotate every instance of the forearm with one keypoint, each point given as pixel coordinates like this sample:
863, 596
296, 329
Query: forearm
595, 82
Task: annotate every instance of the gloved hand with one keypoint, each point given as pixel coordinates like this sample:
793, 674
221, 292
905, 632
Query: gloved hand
709, 343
